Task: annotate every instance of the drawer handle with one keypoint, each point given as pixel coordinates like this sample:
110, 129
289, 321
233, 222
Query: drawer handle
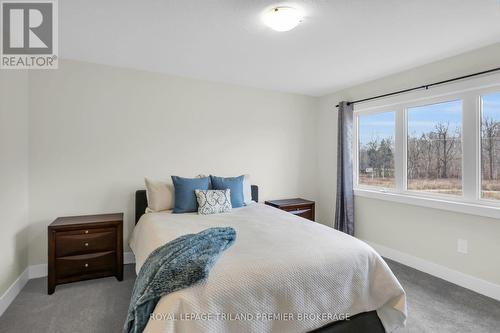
86, 231
86, 265
86, 244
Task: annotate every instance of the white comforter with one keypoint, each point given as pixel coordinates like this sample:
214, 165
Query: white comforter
301, 272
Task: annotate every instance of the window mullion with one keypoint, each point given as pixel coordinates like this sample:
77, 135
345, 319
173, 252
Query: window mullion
400, 150
470, 147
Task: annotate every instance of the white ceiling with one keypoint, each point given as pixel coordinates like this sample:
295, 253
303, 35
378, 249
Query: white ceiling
340, 43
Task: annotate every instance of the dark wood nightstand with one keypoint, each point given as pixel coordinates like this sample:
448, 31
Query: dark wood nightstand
85, 247
296, 206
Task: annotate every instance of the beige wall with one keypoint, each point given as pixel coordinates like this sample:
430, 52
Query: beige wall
422, 232
96, 131
13, 176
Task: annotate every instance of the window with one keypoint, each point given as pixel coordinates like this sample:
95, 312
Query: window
434, 148
376, 150
490, 146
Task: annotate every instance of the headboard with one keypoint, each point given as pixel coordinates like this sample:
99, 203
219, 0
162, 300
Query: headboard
141, 201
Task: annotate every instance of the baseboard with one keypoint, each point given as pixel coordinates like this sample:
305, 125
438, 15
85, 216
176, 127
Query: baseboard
35, 272
128, 258
464, 280
10, 294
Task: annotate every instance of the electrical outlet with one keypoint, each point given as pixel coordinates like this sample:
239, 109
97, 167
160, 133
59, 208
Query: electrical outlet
462, 246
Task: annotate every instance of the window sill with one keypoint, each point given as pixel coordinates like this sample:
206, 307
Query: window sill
436, 203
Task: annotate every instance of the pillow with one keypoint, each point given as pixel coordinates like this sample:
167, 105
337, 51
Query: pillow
235, 184
160, 195
213, 201
247, 190
185, 199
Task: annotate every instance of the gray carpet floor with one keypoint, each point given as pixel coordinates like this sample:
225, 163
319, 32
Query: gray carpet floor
434, 305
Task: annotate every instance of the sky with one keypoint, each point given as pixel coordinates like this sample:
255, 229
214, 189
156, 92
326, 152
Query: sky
380, 125
491, 106
422, 119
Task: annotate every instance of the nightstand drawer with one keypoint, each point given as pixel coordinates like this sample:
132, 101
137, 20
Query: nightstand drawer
85, 264
296, 206
85, 241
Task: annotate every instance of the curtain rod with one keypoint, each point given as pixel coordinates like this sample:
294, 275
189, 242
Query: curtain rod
427, 86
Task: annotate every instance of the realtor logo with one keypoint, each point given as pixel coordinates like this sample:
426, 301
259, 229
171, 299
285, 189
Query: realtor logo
29, 34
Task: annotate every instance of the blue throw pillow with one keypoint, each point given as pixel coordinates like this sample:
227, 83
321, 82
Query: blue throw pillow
185, 198
235, 184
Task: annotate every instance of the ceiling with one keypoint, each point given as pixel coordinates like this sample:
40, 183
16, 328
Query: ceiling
340, 43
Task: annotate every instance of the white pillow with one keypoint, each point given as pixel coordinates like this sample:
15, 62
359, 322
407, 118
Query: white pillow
247, 189
160, 195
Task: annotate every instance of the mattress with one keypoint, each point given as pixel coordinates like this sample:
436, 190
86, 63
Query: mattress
283, 274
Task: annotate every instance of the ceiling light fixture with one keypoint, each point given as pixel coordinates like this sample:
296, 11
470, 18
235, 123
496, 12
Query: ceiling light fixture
282, 18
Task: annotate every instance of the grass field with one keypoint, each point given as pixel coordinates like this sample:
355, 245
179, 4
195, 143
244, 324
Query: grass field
379, 182
491, 189
450, 186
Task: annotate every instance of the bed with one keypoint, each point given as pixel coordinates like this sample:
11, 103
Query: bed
283, 274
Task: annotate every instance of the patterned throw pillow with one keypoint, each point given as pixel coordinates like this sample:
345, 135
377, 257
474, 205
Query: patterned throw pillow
213, 201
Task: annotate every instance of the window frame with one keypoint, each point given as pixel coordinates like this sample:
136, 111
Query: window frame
470, 93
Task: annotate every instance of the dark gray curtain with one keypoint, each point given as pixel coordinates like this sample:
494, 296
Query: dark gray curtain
344, 212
